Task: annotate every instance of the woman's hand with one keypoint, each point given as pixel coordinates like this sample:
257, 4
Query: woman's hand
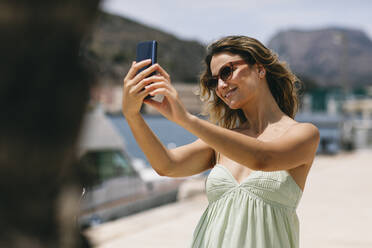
171, 107
134, 91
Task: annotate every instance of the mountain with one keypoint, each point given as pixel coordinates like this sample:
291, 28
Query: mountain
330, 57
112, 48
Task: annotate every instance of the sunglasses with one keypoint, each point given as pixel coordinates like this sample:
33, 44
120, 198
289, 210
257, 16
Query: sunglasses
225, 73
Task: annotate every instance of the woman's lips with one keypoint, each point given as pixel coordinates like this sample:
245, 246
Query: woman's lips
230, 92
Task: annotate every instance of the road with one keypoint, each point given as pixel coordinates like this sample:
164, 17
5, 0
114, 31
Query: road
335, 211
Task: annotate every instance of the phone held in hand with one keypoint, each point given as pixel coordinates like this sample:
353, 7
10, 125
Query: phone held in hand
147, 50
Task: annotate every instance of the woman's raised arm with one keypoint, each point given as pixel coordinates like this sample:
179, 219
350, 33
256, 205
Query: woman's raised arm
187, 160
295, 148
182, 161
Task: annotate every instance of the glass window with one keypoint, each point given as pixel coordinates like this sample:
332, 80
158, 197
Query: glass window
104, 165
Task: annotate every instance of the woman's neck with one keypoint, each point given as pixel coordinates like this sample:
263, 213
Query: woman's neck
261, 112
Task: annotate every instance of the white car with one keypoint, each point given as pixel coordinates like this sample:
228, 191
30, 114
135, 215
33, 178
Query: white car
118, 189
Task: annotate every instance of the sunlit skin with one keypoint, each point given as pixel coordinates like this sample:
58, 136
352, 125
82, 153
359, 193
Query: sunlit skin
252, 93
248, 90
268, 141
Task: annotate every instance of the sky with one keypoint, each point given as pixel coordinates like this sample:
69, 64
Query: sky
208, 20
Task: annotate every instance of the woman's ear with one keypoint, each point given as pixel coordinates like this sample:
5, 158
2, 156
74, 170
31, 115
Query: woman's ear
261, 71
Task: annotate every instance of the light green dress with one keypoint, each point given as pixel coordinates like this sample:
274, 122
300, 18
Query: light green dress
260, 212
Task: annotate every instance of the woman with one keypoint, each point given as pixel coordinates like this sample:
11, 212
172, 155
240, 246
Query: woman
259, 156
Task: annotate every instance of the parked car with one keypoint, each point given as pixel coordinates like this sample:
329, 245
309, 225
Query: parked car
118, 189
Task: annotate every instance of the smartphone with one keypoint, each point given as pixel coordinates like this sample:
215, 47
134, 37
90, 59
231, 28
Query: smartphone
147, 50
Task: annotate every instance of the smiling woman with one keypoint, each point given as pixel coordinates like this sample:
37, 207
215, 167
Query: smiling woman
280, 79
259, 155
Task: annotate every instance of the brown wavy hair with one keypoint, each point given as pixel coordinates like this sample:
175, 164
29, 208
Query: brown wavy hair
281, 81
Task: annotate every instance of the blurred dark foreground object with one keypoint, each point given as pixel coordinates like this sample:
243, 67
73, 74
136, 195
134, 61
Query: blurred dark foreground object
44, 91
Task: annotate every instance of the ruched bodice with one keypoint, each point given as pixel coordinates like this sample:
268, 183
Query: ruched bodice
258, 212
276, 188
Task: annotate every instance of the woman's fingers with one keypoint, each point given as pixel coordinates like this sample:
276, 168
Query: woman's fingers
145, 73
138, 85
142, 85
163, 72
156, 88
135, 67
147, 81
131, 72
153, 103
160, 91
134, 78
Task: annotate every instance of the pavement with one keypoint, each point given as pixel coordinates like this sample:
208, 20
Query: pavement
335, 210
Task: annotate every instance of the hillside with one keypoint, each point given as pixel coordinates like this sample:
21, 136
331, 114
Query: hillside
112, 47
330, 57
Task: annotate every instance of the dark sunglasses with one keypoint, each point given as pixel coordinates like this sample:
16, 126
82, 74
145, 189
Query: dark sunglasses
225, 73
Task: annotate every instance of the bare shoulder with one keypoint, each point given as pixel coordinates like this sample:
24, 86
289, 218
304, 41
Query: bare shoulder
299, 130
304, 129
303, 134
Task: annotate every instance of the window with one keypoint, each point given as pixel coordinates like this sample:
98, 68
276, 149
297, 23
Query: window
103, 165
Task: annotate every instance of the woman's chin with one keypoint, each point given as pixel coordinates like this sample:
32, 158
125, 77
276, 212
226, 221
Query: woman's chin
233, 105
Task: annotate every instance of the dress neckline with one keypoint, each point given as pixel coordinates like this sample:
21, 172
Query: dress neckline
232, 177
252, 173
